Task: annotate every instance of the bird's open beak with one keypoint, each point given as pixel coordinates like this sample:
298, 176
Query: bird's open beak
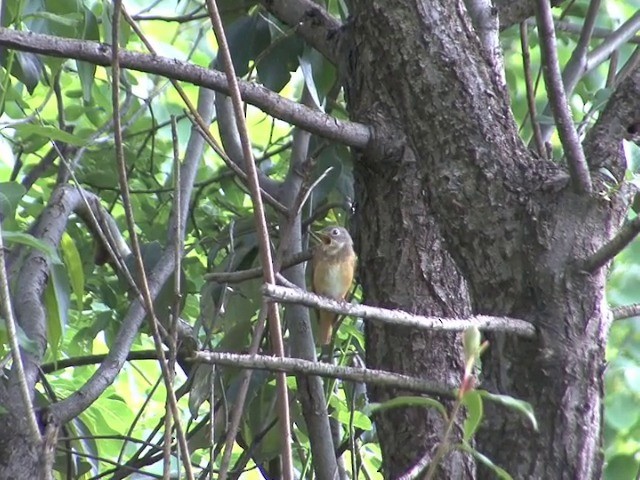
321, 237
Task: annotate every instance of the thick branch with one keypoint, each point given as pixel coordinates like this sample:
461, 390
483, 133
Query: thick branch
515, 11
349, 133
398, 317
578, 169
311, 22
603, 143
297, 365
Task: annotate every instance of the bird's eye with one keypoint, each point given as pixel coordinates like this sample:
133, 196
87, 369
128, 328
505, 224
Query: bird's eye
335, 232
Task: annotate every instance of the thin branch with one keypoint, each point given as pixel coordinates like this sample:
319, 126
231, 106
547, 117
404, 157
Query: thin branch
602, 256
531, 94
242, 275
348, 133
578, 168
569, 27
622, 35
398, 317
575, 68
275, 327
128, 209
306, 367
12, 333
626, 311
203, 126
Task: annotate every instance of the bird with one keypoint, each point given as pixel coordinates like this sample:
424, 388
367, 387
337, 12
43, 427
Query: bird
334, 263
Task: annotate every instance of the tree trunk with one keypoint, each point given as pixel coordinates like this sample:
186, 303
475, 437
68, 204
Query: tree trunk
455, 215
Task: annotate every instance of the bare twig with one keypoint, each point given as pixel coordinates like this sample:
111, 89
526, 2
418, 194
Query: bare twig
566, 26
242, 275
622, 35
349, 133
12, 332
398, 317
263, 236
626, 311
306, 367
144, 284
576, 66
531, 94
624, 237
578, 168
199, 122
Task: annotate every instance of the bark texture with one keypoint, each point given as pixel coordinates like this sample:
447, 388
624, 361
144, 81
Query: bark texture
455, 215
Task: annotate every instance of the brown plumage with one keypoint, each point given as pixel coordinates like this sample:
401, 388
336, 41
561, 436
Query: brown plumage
334, 263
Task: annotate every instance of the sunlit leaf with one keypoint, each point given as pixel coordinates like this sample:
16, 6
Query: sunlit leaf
408, 401
472, 400
513, 403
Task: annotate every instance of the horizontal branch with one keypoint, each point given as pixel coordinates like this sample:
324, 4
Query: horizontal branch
319, 123
306, 367
626, 311
398, 317
624, 237
242, 275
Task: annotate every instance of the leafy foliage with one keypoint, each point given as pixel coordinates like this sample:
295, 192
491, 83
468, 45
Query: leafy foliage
57, 119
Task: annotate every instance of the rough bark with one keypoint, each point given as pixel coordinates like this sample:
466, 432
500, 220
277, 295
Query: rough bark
454, 214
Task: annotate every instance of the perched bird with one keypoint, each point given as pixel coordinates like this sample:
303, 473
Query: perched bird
334, 263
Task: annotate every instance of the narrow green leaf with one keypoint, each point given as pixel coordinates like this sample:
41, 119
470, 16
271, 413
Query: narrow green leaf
49, 132
68, 20
409, 401
31, 241
486, 461
472, 400
518, 405
73, 262
10, 195
471, 343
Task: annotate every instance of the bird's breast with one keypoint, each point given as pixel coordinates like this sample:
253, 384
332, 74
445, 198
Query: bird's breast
333, 279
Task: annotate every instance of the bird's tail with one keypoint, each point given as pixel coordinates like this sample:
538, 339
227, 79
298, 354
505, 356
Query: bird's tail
325, 326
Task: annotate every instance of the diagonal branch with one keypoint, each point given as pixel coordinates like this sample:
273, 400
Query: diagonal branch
275, 327
624, 237
622, 35
306, 367
312, 22
349, 133
578, 169
398, 317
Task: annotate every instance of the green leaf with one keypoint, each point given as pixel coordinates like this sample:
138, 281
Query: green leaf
471, 343
621, 467
31, 241
501, 472
472, 400
49, 132
359, 419
56, 299
513, 403
73, 262
408, 401
69, 20
10, 195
